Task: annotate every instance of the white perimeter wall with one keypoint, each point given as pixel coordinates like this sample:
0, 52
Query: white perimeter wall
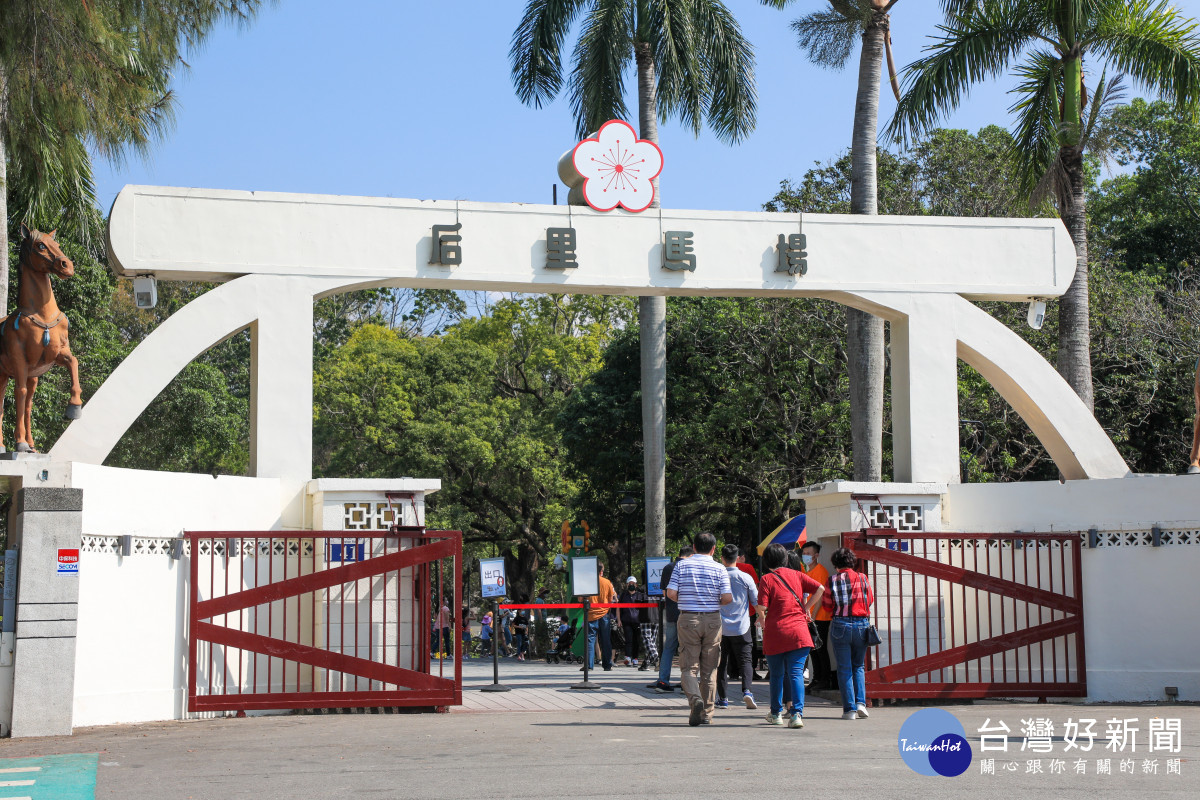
131, 650
1139, 601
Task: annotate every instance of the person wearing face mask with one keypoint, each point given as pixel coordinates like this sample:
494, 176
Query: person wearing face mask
823, 675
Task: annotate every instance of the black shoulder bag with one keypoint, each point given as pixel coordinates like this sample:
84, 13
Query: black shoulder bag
871, 634
813, 631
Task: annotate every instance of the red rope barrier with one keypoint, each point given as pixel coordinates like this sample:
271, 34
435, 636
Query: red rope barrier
536, 606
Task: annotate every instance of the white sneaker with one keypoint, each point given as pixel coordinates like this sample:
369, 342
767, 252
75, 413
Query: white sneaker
862, 711
797, 721
850, 715
774, 719
749, 701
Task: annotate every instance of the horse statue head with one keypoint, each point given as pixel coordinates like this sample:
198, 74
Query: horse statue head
40, 253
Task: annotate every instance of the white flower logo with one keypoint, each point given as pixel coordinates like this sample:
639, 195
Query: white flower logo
617, 168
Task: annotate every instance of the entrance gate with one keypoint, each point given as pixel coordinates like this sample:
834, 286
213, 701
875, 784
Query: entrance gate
973, 615
300, 619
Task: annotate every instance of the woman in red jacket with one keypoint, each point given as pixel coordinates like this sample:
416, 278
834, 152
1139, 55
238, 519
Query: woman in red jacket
786, 640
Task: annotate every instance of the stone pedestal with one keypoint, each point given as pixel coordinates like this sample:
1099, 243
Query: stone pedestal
47, 521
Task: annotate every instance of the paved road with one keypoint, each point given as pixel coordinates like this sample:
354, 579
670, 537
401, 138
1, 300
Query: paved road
610, 749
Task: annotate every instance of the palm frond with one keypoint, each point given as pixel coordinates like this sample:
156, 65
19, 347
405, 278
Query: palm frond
972, 48
1108, 95
1155, 45
727, 60
957, 8
536, 51
604, 50
1034, 152
828, 36
670, 29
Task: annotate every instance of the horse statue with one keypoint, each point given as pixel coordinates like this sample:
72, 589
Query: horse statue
1194, 466
34, 339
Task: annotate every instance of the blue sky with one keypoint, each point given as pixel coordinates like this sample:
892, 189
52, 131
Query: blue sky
403, 99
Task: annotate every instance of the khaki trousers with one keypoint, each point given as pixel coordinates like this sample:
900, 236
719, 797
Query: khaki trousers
699, 656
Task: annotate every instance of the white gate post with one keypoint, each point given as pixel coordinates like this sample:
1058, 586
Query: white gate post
925, 391
47, 521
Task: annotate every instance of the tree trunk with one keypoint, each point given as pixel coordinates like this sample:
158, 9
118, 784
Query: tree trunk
652, 325
521, 568
1074, 327
864, 332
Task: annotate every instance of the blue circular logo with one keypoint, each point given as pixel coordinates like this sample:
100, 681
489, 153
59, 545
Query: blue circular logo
933, 742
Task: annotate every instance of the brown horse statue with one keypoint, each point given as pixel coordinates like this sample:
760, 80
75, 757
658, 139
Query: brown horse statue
34, 339
1194, 465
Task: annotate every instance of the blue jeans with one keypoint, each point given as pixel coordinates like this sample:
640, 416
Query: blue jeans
521, 643
670, 647
601, 627
848, 636
788, 668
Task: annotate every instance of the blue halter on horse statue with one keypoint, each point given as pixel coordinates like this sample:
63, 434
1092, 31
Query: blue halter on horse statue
35, 338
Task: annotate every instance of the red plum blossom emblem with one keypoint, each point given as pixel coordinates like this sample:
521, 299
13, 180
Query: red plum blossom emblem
617, 168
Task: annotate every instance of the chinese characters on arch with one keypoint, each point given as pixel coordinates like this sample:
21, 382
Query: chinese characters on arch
450, 247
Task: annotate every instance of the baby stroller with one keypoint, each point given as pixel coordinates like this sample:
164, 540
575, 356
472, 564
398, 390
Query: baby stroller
562, 646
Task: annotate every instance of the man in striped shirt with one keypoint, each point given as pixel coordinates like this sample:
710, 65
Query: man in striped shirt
700, 586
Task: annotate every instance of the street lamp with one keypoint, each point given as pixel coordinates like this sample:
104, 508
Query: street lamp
628, 504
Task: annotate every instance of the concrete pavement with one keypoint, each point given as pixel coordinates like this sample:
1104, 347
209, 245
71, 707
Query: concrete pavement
622, 743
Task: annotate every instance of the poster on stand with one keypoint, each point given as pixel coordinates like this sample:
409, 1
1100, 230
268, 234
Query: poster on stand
491, 577
585, 576
654, 571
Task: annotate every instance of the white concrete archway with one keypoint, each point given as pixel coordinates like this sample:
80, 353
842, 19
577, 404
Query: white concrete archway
279, 252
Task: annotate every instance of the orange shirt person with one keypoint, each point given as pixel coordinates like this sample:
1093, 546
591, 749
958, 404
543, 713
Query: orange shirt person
823, 675
598, 624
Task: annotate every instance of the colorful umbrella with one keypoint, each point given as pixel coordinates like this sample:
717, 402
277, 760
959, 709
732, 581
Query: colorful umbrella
793, 531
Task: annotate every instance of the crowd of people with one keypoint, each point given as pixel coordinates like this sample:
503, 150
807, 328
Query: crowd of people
715, 614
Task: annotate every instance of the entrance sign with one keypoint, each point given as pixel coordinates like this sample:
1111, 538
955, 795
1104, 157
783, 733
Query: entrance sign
491, 577
654, 571
585, 576
68, 561
276, 253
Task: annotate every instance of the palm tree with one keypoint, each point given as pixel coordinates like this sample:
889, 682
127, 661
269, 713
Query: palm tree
1146, 39
78, 76
828, 36
692, 64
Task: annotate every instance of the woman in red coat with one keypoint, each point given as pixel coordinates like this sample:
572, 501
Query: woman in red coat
786, 640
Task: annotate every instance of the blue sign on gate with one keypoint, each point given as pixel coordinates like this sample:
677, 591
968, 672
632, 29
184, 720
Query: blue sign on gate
346, 551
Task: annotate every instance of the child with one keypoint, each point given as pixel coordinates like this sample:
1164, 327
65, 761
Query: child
485, 635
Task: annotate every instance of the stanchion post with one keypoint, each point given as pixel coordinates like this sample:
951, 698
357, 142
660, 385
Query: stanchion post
662, 634
587, 650
495, 685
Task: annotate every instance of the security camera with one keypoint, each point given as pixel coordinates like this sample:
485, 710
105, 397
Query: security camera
1037, 314
145, 291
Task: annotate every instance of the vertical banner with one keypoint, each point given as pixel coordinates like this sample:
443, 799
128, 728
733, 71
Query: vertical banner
10, 591
654, 571
491, 577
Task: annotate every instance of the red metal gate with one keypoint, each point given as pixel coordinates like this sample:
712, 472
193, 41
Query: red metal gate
320, 619
974, 614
